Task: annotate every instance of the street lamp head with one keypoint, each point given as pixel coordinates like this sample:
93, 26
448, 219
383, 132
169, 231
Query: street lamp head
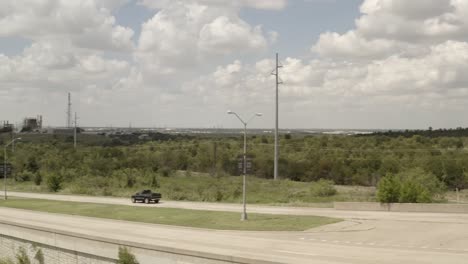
229, 112
259, 114
18, 139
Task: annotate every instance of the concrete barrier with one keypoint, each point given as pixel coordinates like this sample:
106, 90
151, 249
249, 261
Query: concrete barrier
403, 207
74, 248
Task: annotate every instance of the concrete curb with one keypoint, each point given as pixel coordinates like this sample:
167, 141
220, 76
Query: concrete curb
135, 245
403, 207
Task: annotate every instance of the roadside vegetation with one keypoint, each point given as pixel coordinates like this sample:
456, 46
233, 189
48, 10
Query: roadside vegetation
177, 217
126, 257
22, 257
312, 168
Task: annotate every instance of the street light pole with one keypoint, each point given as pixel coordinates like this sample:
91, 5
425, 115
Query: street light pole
244, 200
244, 185
5, 165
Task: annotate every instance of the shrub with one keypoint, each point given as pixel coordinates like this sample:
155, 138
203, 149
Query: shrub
412, 186
418, 186
24, 176
22, 257
125, 257
39, 257
323, 188
54, 182
166, 172
154, 182
388, 189
37, 178
131, 180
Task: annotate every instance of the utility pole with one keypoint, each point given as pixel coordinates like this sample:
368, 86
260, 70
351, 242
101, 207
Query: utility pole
74, 132
69, 113
12, 137
215, 150
278, 82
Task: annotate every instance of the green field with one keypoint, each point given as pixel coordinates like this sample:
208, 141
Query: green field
202, 187
178, 217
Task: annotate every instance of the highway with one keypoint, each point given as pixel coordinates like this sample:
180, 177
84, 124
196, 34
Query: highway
364, 237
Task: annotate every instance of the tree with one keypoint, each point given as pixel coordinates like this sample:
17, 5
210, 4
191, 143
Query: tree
388, 189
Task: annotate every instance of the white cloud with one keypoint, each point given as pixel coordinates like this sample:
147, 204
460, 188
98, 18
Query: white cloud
258, 4
197, 58
89, 24
389, 27
181, 36
223, 36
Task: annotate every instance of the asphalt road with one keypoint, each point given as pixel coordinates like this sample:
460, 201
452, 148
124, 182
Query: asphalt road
365, 237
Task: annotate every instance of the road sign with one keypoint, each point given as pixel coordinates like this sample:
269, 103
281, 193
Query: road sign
9, 168
240, 165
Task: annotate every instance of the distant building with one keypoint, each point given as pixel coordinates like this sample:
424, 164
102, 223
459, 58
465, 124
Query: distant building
6, 127
32, 124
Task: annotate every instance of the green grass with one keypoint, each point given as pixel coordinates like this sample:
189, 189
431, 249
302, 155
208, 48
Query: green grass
178, 217
182, 186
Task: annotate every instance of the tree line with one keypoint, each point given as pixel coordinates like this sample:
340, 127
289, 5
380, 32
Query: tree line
345, 160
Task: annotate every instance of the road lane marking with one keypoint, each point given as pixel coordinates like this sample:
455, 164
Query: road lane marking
297, 253
375, 244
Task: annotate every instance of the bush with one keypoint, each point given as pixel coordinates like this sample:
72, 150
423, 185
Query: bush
37, 178
166, 172
22, 257
388, 189
24, 176
412, 186
154, 182
54, 182
39, 257
323, 188
125, 257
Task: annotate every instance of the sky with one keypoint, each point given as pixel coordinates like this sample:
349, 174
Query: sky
356, 64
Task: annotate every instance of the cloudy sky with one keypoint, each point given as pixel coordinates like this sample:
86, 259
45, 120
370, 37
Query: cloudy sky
184, 63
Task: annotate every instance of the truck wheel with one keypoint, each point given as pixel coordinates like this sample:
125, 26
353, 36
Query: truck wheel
156, 201
146, 200
133, 200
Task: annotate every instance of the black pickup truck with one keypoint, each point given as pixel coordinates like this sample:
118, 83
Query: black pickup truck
146, 196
